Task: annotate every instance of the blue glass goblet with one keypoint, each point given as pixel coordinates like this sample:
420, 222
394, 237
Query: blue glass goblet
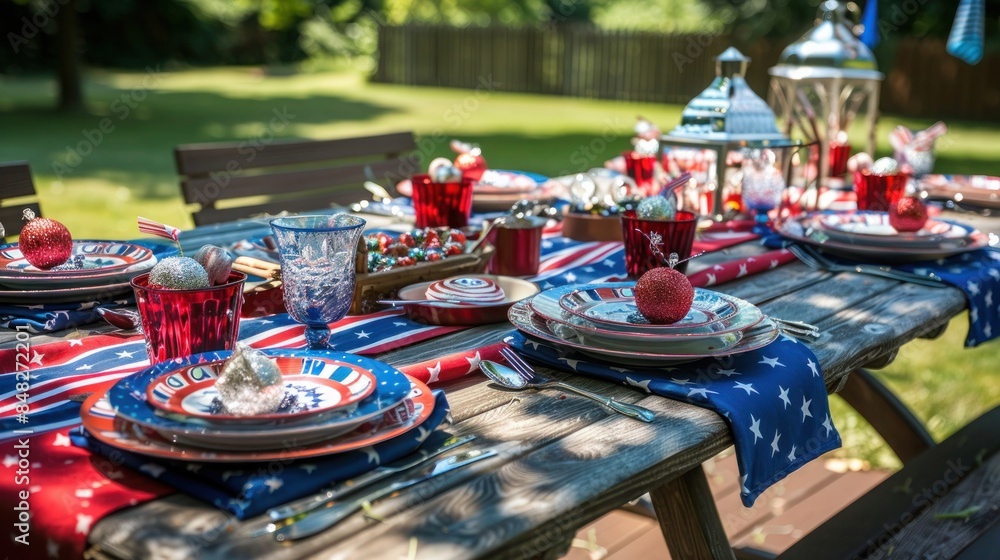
317, 269
763, 186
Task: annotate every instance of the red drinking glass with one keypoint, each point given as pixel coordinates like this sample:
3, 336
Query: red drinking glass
677, 234
878, 192
179, 323
441, 204
839, 154
642, 169
518, 247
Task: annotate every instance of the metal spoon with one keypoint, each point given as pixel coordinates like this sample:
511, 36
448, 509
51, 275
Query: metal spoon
507, 377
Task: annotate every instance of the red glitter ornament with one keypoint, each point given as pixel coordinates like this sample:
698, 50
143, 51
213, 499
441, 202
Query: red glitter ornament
44, 242
663, 295
908, 214
472, 164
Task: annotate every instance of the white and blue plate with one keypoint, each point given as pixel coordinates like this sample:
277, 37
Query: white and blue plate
95, 263
129, 398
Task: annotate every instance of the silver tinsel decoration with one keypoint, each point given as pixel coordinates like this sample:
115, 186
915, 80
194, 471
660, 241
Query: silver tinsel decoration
250, 384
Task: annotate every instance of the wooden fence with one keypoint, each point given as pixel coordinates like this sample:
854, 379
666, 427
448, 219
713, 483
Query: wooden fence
577, 61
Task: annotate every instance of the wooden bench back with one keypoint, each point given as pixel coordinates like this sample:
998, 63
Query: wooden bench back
292, 176
16, 183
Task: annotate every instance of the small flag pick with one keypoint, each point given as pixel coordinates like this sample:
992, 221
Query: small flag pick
161, 230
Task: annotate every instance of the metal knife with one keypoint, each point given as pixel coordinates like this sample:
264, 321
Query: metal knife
421, 457
317, 520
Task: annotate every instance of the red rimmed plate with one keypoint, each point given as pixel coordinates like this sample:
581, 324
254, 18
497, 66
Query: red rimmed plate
100, 421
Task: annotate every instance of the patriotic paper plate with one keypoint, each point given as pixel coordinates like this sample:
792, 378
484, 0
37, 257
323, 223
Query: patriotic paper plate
100, 420
91, 263
612, 305
331, 386
129, 398
872, 228
531, 324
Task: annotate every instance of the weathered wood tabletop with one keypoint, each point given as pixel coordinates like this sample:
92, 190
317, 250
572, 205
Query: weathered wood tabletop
562, 462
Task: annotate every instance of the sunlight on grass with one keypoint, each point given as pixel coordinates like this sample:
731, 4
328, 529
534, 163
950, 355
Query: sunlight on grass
97, 185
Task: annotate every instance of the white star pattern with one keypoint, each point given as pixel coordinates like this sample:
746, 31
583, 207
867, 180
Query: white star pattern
812, 367
755, 429
827, 426
783, 395
373, 456
743, 485
399, 323
9, 461
805, 408
743, 270
608, 263
774, 263
83, 523
570, 277
474, 362
728, 372
152, 469
273, 483
718, 267
571, 363
588, 269
974, 314
711, 278
62, 440
644, 385
973, 287
362, 334
748, 387
309, 468
423, 433
791, 456
434, 372
125, 354
774, 443
703, 392
988, 298
75, 342
988, 330
37, 358
773, 362
681, 382
994, 273
85, 367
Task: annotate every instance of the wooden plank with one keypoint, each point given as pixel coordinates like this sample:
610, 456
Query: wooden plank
933, 535
611, 533
200, 159
208, 190
15, 180
11, 217
689, 519
898, 499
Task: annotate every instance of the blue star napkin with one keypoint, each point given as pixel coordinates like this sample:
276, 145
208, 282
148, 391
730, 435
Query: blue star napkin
57, 316
250, 489
976, 273
774, 400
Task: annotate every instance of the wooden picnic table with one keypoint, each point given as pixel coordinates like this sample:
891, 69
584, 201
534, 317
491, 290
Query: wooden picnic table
563, 462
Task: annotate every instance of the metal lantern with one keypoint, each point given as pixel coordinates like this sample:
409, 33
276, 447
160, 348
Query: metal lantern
822, 81
728, 116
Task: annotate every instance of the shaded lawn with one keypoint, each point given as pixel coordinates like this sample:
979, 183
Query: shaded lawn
98, 181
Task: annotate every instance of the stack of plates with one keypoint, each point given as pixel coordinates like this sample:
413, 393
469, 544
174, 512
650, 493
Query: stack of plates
868, 235
602, 321
105, 271
343, 403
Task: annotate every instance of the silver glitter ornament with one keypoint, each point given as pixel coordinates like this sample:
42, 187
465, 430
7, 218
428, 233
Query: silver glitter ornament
446, 174
250, 383
656, 208
885, 166
179, 273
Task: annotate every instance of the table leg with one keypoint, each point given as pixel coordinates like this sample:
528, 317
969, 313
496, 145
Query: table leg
689, 520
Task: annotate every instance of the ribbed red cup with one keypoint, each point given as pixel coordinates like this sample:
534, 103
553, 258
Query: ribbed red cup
441, 204
878, 192
839, 154
678, 237
179, 323
641, 168
518, 247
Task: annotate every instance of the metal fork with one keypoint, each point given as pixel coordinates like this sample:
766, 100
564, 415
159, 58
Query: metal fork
813, 259
537, 381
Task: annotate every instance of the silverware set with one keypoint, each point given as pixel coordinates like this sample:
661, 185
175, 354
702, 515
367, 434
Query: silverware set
816, 260
311, 515
797, 329
523, 377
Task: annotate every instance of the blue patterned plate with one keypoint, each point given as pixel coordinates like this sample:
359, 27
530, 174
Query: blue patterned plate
92, 262
612, 306
128, 397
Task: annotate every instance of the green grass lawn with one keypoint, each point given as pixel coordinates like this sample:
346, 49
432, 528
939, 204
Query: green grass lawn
97, 182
